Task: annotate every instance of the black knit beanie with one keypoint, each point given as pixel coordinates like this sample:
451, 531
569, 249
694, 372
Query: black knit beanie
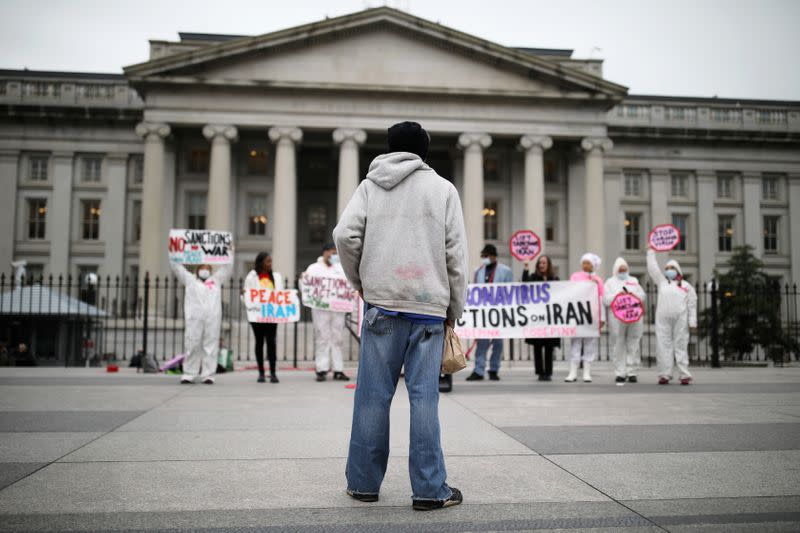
409, 137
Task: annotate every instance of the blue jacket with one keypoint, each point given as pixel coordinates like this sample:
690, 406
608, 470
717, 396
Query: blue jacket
502, 274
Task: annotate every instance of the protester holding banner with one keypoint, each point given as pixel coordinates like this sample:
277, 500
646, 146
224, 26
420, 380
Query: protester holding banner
676, 312
329, 325
542, 348
625, 336
490, 271
202, 311
262, 277
586, 349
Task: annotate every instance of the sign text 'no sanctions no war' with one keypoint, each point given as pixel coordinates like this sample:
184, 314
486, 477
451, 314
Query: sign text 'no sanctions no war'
272, 306
200, 247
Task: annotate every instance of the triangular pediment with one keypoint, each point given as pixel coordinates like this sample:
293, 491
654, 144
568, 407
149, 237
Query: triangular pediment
377, 49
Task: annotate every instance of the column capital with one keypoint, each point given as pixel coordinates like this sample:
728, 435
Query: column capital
478, 140
341, 135
289, 133
590, 144
535, 142
223, 131
148, 130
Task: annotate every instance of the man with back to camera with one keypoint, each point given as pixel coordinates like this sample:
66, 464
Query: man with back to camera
402, 244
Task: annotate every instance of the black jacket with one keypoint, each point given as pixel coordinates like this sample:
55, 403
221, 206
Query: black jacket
553, 343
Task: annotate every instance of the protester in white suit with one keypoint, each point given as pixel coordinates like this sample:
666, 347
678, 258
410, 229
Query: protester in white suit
676, 312
586, 349
624, 337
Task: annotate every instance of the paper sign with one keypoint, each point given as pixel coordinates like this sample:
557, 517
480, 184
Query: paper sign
329, 292
627, 308
272, 306
525, 245
523, 310
200, 247
664, 237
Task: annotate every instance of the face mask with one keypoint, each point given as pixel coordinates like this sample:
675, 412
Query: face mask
203, 273
671, 273
622, 276
335, 259
485, 261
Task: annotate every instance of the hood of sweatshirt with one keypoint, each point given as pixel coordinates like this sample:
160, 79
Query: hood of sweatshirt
619, 263
388, 170
676, 265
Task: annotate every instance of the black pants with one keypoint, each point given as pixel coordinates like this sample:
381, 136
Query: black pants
543, 359
266, 332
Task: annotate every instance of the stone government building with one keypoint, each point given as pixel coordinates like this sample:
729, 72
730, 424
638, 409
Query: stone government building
268, 136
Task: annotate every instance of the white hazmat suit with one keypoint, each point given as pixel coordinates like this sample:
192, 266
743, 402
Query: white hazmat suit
202, 311
624, 337
586, 349
329, 326
676, 312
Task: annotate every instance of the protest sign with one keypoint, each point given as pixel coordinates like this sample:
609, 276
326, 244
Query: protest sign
525, 245
664, 237
200, 247
272, 306
627, 307
523, 310
328, 292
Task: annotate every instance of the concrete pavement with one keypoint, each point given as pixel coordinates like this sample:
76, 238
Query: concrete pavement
81, 450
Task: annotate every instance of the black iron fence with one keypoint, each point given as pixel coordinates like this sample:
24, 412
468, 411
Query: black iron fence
89, 320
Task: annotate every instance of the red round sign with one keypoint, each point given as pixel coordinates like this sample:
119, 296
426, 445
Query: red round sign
525, 245
627, 307
664, 237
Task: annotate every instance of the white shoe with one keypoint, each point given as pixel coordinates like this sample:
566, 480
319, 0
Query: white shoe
587, 372
573, 373
187, 380
208, 380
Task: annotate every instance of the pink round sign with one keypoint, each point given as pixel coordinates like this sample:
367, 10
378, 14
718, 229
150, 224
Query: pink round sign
664, 237
525, 245
627, 308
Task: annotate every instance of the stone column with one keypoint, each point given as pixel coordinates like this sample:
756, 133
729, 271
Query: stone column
59, 214
753, 225
534, 147
112, 217
153, 245
9, 165
793, 226
706, 225
473, 145
219, 177
593, 148
348, 140
284, 212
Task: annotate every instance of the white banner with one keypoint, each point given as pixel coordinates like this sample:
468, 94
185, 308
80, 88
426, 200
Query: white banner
330, 293
271, 306
200, 247
548, 309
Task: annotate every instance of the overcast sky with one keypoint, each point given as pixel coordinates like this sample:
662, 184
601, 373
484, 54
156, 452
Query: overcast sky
728, 48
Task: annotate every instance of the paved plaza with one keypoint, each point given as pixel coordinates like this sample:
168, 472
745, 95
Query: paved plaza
82, 450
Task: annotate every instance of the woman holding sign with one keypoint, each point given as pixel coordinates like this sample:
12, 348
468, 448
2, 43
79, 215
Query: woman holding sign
542, 348
262, 277
626, 332
586, 348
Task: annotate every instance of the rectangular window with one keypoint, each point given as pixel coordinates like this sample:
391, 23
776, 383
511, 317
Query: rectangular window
317, 224
136, 221
90, 172
37, 170
90, 219
491, 226
633, 184
769, 188
37, 217
724, 186
137, 169
682, 223
550, 221
198, 160
491, 169
196, 210
257, 215
680, 185
34, 273
632, 231
550, 171
771, 234
257, 162
725, 233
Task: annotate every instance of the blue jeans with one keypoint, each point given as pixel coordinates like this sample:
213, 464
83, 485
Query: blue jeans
494, 360
387, 344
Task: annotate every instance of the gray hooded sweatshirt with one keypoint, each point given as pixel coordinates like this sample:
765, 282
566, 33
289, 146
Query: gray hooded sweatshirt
401, 239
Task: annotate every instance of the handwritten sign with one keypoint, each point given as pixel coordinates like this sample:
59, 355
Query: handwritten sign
329, 292
627, 308
523, 310
271, 306
664, 237
200, 247
525, 245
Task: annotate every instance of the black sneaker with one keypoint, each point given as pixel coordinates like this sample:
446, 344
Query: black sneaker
322, 376
474, 377
261, 379
493, 376
540, 377
274, 379
429, 505
366, 498
340, 376
632, 379
548, 377
620, 381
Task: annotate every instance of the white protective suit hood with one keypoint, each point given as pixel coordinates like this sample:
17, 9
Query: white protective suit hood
594, 259
388, 170
619, 263
675, 264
